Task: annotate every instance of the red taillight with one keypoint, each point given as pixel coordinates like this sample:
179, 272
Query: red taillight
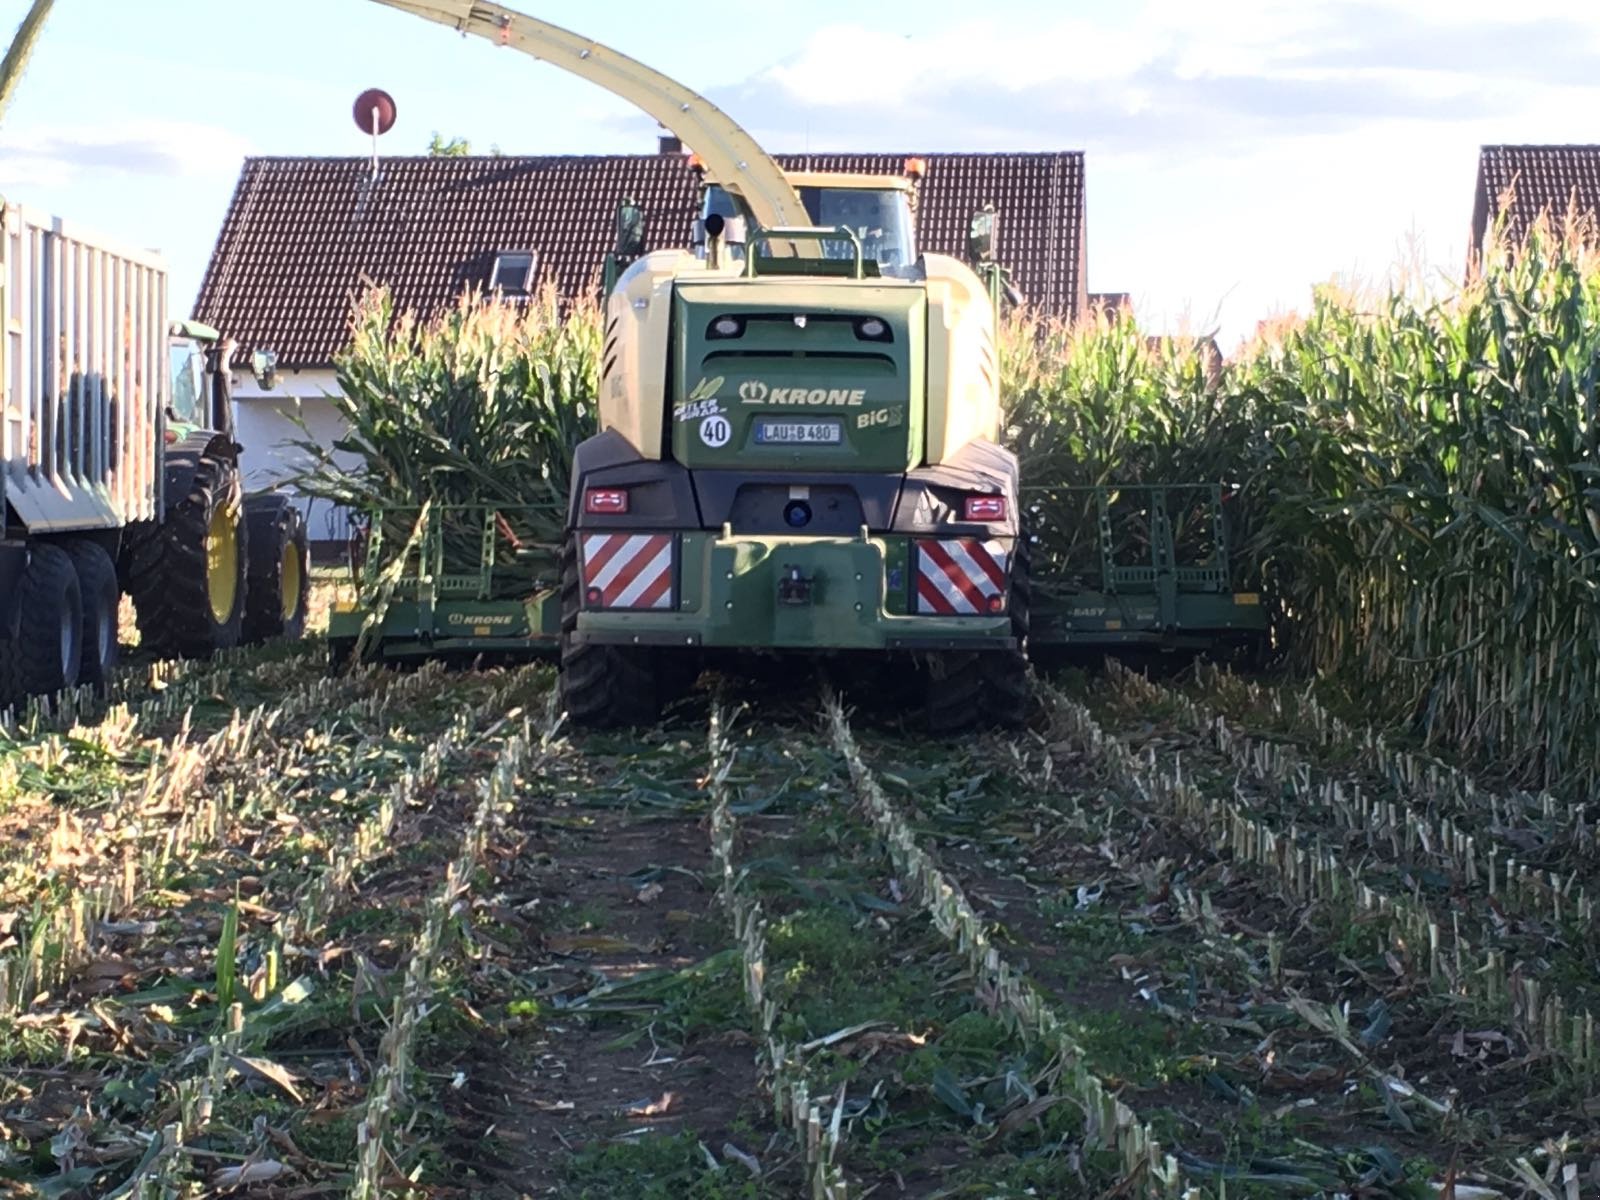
605, 501
985, 508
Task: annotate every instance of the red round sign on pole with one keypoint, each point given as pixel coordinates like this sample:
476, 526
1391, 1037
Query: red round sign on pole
375, 104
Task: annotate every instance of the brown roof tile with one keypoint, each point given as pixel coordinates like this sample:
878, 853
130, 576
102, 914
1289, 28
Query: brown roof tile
1536, 179
301, 233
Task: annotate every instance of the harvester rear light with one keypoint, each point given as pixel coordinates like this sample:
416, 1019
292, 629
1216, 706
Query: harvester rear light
984, 508
605, 502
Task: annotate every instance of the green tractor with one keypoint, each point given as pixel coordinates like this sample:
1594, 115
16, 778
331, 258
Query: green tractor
221, 569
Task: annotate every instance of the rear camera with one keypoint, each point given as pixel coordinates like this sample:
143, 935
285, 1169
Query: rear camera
727, 327
797, 514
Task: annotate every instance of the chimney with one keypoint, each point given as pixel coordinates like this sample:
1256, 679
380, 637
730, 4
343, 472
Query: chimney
670, 144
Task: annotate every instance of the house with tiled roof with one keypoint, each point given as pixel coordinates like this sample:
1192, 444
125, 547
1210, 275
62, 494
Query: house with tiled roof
1532, 181
302, 234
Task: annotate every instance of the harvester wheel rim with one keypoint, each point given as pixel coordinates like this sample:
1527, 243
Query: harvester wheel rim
222, 563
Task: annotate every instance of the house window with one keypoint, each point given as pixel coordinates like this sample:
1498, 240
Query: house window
513, 272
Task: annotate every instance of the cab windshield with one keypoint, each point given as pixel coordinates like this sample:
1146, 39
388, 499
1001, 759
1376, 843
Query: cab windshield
188, 382
880, 217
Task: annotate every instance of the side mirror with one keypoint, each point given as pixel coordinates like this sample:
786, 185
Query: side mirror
630, 230
264, 366
983, 233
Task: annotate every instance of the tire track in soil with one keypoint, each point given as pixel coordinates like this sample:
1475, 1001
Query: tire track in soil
602, 876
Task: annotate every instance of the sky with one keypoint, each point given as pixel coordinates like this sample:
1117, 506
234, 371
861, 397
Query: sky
1236, 153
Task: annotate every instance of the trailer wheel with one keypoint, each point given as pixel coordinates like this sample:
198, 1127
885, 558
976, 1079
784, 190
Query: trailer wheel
279, 570
187, 576
48, 650
602, 686
97, 589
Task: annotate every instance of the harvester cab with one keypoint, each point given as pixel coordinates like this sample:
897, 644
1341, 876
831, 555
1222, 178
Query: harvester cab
876, 210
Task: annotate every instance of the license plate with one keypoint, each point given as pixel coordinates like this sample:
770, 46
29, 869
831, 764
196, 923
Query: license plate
799, 433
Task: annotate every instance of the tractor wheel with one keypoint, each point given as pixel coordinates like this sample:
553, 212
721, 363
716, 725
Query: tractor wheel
602, 686
187, 576
279, 570
98, 591
47, 653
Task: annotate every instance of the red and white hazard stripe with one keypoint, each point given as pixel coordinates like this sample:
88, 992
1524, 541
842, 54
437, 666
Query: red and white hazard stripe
961, 577
627, 570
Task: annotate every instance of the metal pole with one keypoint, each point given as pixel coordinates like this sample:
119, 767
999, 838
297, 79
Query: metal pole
16, 59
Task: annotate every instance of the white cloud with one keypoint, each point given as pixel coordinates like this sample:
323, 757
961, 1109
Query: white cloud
61, 155
1237, 153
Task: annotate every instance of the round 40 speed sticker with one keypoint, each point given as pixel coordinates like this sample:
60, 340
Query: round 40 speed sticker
715, 431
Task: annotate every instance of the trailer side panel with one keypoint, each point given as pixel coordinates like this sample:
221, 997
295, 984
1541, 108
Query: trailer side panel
82, 364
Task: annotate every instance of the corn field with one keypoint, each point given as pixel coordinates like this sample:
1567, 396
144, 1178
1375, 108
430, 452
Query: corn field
1418, 489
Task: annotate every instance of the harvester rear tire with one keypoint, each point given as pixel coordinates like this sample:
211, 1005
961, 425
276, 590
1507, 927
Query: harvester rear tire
47, 653
602, 687
956, 692
100, 596
279, 570
169, 577
986, 687
1007, 670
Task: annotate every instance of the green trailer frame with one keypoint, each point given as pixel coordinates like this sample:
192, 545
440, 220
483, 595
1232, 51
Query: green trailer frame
1155, 574
463, 583
1114, 567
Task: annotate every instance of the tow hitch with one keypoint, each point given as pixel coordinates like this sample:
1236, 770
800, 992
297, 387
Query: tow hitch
793, 587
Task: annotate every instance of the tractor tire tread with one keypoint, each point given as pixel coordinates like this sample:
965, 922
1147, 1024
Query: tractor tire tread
166, 570
273, 523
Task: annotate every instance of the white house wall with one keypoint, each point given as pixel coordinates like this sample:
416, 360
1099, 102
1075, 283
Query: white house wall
266, 428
